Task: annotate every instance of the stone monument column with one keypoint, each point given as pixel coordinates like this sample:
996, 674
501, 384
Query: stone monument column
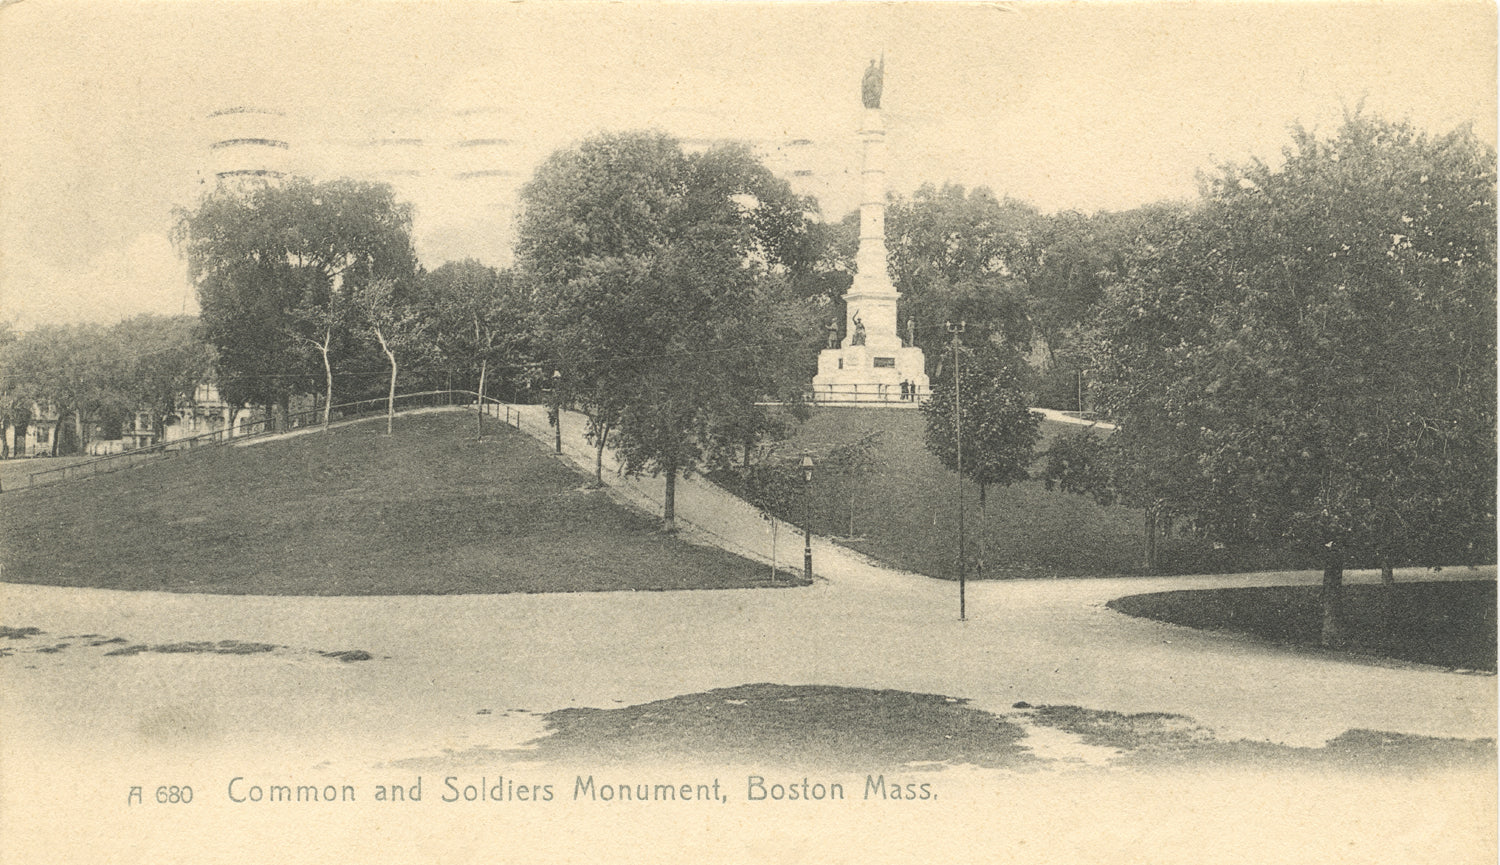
872, 297
871, 364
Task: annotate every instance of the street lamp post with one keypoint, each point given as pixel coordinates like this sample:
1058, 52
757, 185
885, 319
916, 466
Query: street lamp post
557, 410
807, 476
958, 449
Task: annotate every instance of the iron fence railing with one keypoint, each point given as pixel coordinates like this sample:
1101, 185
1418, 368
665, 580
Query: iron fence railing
498, 410
374, 407
304, 420
876, 394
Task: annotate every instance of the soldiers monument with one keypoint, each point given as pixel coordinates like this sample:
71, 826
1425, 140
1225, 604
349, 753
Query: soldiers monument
872, 363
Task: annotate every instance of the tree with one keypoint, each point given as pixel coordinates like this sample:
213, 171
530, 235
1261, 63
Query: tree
652, 268
162, 359
386, 314
825, 261
275, 267
1317, 341
774, 360
15, 403
991, 422
773, 485
1072, 259
1126, 468
851, 462
67, 370
478, 316
959, 255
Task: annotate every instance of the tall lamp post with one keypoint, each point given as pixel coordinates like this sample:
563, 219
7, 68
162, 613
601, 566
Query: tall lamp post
958, 448
557, 410
807, 476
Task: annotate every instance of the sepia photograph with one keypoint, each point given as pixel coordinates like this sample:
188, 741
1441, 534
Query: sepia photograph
758, 432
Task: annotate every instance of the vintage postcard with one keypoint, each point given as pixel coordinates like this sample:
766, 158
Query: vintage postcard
748, 432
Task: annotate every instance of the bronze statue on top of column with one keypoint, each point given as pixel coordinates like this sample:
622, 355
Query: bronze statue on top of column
873, 84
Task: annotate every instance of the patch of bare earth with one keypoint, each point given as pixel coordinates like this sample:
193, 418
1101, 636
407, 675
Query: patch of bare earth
816, 726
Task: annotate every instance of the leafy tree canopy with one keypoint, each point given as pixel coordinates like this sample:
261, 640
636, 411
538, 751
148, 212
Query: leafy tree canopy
1313, 348
274, 267
163, 358
661, 279
958, 254
997, 431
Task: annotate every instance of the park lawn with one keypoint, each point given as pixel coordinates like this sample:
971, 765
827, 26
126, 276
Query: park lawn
906, 512
1449, 624
352, 511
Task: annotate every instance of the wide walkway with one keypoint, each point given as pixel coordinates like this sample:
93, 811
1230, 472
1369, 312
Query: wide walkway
1054, 641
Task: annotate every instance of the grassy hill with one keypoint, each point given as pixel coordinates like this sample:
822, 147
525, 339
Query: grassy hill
353, 512
906, 512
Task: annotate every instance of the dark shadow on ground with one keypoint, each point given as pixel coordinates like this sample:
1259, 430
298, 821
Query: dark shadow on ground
809, 725
119, 647
1447, 624
1158, 740
834, 728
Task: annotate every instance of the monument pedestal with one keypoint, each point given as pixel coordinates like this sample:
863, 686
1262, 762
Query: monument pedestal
864, 374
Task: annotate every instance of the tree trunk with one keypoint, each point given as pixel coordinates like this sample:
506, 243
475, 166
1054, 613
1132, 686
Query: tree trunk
599, 443
328, 372
1333, 597
1387, 572
482, 369
1151, 533
390, 400
57, 433
78, 428
669, 502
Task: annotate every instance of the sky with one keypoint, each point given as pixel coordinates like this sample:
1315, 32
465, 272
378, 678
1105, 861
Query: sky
105, 107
